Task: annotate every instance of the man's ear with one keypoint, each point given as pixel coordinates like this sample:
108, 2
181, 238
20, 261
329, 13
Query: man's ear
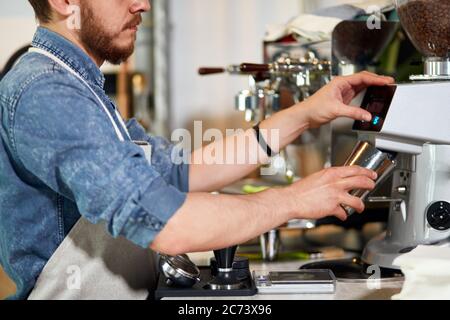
62, 8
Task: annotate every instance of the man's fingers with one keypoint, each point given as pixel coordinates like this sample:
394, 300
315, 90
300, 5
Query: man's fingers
341, 214
367, 73
353, 202
352, 171
369, 79
363, 80
358, 182
359, 82
354, 113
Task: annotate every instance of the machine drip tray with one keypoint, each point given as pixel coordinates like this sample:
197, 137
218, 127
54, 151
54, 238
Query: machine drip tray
355, 270
200, 289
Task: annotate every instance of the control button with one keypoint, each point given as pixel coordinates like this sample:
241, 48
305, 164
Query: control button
438, 215
402, 190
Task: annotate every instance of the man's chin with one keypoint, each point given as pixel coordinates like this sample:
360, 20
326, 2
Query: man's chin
117, 56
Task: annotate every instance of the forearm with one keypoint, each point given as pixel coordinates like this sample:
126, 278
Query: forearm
209, 222
329, 103
242, 159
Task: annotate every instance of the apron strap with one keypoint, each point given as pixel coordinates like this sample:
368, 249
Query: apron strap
69, 69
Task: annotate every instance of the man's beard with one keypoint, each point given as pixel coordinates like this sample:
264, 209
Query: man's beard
99, 41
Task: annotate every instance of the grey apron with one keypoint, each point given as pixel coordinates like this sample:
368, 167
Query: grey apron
90, 263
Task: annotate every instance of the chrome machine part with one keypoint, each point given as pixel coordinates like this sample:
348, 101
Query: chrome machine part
354, 270
179, 270
369, 157
270, 245
220, 283
262, 99
421, 215
225, 278
436, 69
257, 104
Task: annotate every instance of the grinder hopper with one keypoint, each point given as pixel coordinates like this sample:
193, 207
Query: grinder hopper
427, 23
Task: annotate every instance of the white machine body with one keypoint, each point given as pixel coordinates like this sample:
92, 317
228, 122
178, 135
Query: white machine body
414, 121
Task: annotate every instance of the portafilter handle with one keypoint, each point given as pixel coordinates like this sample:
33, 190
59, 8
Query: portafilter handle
254, 68
232, 69
225, 258
206, 71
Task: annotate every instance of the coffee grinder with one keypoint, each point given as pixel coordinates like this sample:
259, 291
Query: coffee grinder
412, 120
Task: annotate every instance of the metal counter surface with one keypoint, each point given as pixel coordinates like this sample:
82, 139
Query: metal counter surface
344, 290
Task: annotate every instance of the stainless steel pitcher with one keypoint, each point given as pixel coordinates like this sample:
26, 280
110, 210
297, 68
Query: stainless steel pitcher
367, 156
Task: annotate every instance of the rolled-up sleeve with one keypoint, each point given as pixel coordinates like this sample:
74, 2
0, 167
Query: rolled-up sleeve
163, 151
68, 142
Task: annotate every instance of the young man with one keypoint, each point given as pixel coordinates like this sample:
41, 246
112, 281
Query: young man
64, 154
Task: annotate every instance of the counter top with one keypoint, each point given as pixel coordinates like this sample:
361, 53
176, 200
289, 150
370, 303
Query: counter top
344, 290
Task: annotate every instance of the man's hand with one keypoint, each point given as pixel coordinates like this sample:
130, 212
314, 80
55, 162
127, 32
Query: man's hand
321, 194
332, 101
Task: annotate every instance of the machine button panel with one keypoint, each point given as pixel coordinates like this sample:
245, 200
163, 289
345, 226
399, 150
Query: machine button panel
438, 215
377, 101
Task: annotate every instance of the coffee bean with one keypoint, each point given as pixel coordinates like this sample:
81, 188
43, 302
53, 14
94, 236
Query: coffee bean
427, 23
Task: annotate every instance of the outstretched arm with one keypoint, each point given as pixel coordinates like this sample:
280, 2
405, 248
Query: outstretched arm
329, 103
209, 222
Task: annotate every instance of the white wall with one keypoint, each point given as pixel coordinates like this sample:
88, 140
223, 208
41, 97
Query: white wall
15, 8
216, 33
204, 33
17, 26
316, 4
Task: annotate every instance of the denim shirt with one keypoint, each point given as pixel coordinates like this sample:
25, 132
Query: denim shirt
61, 159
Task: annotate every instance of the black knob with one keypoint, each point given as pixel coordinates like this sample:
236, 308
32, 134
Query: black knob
225, 257
438, 215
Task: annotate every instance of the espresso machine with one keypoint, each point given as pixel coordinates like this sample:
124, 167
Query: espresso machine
274, 86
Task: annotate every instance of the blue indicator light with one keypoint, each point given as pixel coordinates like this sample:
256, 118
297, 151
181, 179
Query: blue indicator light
376, 121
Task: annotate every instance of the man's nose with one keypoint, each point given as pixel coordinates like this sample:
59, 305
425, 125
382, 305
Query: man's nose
140, 6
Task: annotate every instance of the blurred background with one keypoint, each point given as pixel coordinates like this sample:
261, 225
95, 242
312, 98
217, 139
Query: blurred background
175, 39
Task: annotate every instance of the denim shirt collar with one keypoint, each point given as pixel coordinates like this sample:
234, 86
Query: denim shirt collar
69, 53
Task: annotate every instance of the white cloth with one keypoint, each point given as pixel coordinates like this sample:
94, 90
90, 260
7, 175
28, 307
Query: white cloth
367, 5
319, 27
310, 27
427, 274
